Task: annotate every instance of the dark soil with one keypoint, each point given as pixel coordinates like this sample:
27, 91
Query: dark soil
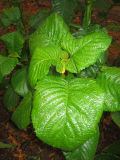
26, 145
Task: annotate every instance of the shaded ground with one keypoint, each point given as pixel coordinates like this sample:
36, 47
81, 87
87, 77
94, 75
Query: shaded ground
27, 146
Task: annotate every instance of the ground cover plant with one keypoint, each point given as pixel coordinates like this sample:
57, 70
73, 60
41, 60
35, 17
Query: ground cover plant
66, 87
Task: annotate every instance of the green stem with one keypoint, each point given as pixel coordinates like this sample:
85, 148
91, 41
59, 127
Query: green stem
74, 25
87, 16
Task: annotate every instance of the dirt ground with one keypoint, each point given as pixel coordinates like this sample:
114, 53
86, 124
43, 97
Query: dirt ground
26, 145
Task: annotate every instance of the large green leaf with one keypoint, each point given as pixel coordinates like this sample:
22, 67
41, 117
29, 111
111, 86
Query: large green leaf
10, 16
6, 65
22, 115
14, 42
109, 80
10, 98
65, 112
85, 51
85, 151
52, 31
41, 61
19, 81
64, 8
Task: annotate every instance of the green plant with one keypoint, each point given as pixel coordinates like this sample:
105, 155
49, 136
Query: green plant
4, 145
111, 152
66, 87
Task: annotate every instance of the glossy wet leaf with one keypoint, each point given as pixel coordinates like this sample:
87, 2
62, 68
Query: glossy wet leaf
41, 61
51, 32
109, 80
68, 110
22, 115
10, 98
19, 81
85, 151
85, 51
14, 42
6, 65
82, 53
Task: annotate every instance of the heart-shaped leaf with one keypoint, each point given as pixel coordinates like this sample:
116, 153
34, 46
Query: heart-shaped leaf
65, 112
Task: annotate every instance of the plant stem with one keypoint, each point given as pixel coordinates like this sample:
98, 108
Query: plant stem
87, 16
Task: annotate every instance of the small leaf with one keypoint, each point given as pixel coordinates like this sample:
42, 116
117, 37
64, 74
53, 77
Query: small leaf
10, 16
85, 151
116, 118
101, 5
41, 61
22, 115
113, 148
10, 98
4, 145
4, 20
109, 80
114, 27
6, 65
106, 157
4, 83
68, 110
19, 81
14, 42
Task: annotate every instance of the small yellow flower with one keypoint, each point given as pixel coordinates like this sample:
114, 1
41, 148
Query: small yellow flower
63, 71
